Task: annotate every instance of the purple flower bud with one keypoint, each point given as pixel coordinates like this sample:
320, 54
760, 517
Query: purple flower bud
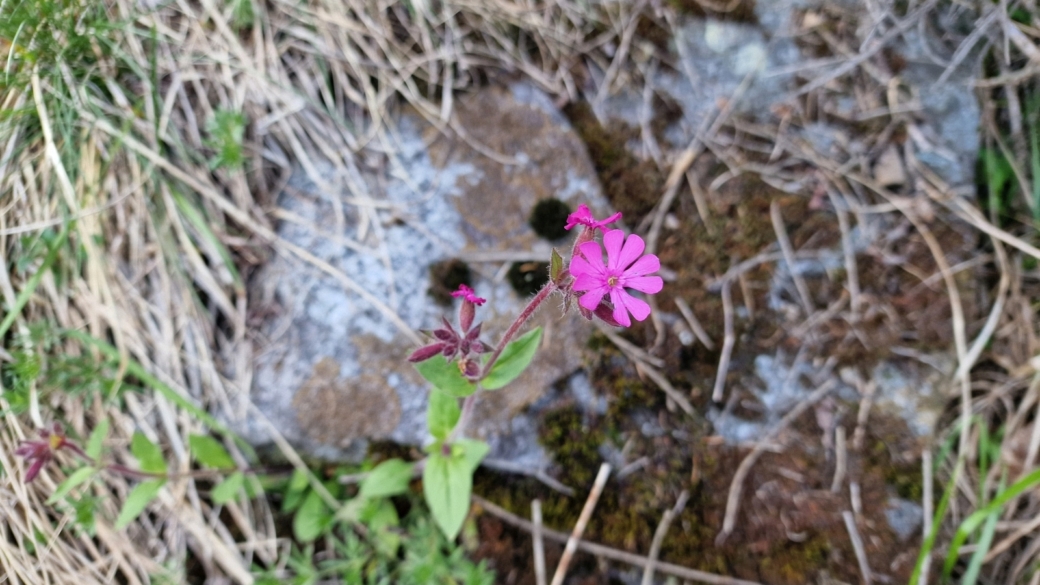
426, 352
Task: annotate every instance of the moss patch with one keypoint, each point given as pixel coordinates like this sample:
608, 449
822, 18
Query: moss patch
741, 11
549, 218
631, 185
527, 278
445, 278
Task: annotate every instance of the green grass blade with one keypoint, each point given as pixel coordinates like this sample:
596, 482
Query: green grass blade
985, 541
34, 281
971, 523
940, 513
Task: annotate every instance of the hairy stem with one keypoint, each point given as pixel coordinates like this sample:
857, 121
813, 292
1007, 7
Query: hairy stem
529, 310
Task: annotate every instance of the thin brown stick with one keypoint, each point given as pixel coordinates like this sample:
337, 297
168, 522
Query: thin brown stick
539, 474
788, 252
857, 546
583, 521
695, 325
659, 534
539, 544
851, 272
609, 553
841, 459
736, 486
728, 341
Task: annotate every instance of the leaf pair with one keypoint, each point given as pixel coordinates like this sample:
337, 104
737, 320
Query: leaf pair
446, 377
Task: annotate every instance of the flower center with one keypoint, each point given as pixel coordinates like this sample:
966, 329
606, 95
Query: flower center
612, 281
55, 441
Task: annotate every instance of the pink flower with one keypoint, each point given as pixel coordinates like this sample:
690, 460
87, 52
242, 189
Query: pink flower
625, 268
41, 452
583, 216
468, 294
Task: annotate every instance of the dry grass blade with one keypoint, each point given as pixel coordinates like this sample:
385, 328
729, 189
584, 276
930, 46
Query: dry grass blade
579, 526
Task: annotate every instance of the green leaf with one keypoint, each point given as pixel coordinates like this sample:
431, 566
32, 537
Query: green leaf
295, 491
311, 519
149, 456
97, 439
389, 478
555, 266
137, 501
442, 414
209, 452
228, 489
381, 518
85, 513
514, 360
473, 452
447, 483
445, 376
352, 510
79, 476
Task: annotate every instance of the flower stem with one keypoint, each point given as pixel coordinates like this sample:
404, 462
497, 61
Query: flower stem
529, 310
470, 401
467, 411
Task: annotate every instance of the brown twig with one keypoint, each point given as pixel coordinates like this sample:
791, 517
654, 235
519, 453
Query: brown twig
841, 459
788, 252
695, 325
539, 474
857, 546
728, 341
539, 545
659, 534
583, 521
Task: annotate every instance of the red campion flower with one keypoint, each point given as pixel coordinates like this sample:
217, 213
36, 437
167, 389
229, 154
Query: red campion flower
39, 453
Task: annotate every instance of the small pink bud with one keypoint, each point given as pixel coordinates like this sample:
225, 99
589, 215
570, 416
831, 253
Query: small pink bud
426, 352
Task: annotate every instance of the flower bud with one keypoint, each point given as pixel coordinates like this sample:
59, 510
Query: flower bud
426, 352
466, 313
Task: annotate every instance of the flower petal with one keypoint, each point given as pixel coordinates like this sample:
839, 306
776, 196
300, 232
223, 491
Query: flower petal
644, 265
645, 284
583, 216
587, 282
582, 267
634, 247
612, 241
593, 254
591, 299
620, 313
638, 307
35, 468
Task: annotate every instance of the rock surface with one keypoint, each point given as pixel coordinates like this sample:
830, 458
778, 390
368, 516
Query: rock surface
331, 372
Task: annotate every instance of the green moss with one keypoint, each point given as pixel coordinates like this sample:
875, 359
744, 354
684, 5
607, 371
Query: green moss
549, 217
565, 435
792, 563
743, 11
631, 185
527, 278
445, 278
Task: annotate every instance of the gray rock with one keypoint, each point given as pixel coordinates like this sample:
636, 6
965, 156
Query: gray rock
330, 372
905, 517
